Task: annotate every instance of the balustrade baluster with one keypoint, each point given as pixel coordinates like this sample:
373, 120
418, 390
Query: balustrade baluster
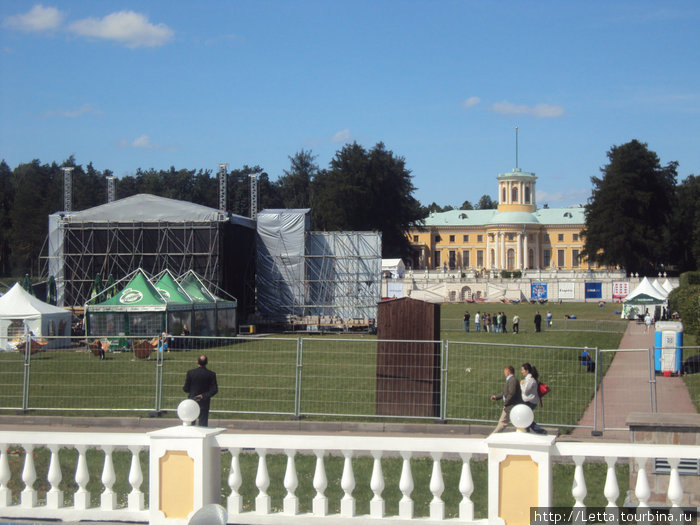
82, 476
320, 502
235, 500
376, 505
347, 483
579, 489
437, 487
642, 489
466, 487
5, 475
406, 487
136, 497
108, 498
291, 482
675, 489
262, 481
611, 489
54, 497
28, 496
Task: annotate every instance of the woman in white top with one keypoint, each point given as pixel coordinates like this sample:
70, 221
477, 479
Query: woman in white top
529, 393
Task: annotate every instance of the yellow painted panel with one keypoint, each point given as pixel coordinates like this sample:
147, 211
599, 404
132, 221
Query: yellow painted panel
176, 474
518, 490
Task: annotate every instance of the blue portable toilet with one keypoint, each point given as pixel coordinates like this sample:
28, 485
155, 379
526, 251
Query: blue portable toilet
668, 347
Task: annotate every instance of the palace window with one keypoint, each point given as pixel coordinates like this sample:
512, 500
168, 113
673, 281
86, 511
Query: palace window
465, 259
574, 258
514, 194
546, 258
452, 238
510, 256
560, 237
575, 236
436, 259
437, 239
561, 258
452, 259
415, 238
465, 238
479, 258
511, 236
527, 194
479, 238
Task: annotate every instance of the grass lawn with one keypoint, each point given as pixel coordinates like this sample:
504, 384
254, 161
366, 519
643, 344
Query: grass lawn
334, 378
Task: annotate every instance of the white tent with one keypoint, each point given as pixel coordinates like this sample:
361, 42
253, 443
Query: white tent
393, 268
21, 311
667, 286
659, 288
644, 297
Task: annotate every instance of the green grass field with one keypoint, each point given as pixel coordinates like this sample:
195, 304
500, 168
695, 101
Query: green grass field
323, 377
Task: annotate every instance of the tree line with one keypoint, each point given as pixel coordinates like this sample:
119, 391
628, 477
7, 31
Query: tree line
637, 217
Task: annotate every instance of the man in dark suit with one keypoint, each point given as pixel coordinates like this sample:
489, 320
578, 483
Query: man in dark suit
200, 384
510, 396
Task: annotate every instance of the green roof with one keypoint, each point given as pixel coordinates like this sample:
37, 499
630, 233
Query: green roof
196, 290
138, 293
171, 291
543, 216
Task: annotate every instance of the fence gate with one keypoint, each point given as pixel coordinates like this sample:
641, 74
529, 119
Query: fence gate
629, 385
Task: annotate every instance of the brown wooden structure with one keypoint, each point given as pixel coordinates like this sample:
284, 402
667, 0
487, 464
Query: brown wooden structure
408, 370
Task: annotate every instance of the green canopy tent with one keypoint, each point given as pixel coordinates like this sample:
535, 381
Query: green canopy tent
137, 310
212, 315
180, 304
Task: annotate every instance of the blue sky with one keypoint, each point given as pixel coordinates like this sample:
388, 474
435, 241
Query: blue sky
154, 84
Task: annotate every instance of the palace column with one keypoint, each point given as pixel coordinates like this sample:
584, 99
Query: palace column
526, 253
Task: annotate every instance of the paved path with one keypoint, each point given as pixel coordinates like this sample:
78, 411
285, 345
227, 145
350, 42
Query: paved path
626, 388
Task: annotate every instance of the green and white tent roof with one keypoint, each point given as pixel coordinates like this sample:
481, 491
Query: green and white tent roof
171, 290
139, 294
194, 288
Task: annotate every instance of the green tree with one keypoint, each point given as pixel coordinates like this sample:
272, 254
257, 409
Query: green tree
38, 192
7, 197
486, 203
684, 232
466, 205
367, 190
295, 185
628, 212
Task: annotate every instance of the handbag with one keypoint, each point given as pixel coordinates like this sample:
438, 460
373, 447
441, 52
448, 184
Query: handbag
542, 390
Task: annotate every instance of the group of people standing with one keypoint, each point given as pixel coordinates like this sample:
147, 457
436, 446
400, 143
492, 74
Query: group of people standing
497, 322
518, 392
488, 322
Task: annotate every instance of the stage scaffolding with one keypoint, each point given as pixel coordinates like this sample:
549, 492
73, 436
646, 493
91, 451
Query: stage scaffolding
154, 234
328, 274
94, 248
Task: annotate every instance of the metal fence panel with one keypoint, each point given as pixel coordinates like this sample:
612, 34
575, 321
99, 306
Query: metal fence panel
628, 386
349, 377
73, 378
475, 372
12, 370
254, 374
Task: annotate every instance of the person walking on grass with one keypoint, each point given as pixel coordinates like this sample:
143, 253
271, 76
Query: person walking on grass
530, 393
510, 396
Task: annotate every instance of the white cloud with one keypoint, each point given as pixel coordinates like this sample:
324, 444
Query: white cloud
85, 109
36, 20
557, 199
538, 110
126, 27
341, 136
471, 102
140, 142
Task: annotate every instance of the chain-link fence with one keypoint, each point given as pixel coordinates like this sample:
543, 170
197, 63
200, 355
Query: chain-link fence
313, 376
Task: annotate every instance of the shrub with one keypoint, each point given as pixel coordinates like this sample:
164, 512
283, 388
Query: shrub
689, 279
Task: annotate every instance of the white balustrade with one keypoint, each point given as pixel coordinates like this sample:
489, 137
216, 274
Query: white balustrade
377, 449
